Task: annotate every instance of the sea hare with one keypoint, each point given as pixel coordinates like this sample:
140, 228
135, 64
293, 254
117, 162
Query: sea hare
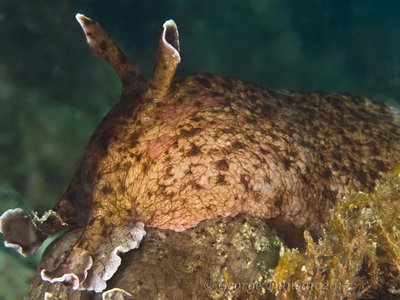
177, 151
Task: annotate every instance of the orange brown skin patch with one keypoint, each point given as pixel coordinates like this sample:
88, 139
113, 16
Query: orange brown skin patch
157, 147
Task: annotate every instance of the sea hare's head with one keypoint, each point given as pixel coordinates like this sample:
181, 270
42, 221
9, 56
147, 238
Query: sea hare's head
131, 77
95, 257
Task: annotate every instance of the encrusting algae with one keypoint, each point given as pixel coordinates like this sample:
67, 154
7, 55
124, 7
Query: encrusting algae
358, 255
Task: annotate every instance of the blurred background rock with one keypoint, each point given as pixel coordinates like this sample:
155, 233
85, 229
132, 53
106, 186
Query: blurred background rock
54, 90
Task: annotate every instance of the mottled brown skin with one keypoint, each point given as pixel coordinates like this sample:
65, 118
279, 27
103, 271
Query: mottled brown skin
219, 146
176, 151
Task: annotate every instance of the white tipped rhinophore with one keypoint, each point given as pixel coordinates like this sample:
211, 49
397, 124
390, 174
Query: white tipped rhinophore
168, 58
170, 37
107, 49
79, 16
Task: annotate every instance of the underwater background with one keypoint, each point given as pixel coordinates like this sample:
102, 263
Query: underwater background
54, 90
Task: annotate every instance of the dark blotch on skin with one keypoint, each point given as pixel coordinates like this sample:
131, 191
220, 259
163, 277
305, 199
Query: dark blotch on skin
204, 82
218, 95
361, 176
197, 118
145, 168
107, 190
191, 132
278, 201
198, 104
253, 97
104, 141
266, 111
252, 121
243, 181
134, 139
168, 170
228, 130
308, 145
103, 46
222, 165
286, 163
121, 189
122, 58
220, 180
327, 174
379, 165
196, 186
337, 156
305, 179
104, 232
227, 84
238, 145
102, 221
194, 150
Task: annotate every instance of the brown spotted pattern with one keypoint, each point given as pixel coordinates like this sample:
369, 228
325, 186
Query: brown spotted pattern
219, 147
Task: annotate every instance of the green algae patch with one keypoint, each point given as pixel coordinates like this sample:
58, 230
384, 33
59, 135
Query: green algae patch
357, 255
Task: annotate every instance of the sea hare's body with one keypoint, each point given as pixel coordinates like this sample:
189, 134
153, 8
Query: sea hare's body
175, 152
219, 146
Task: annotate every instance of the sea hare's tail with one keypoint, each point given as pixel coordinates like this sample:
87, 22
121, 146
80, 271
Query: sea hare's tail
26, 233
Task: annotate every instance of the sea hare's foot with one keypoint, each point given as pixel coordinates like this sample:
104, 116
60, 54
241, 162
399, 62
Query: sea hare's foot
24, 233
94, 258
73, 270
